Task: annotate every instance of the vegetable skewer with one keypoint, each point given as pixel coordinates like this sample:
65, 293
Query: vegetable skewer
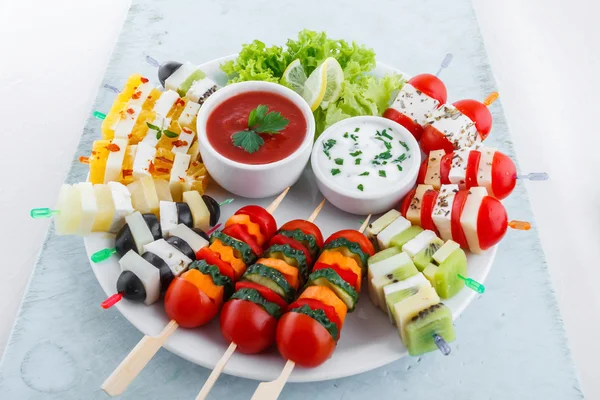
143, 352
216, 372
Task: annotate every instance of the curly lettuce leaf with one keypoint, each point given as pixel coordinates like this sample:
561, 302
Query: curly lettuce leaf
257, 62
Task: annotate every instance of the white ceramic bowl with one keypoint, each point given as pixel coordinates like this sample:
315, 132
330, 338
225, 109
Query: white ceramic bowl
363, 203
254, 181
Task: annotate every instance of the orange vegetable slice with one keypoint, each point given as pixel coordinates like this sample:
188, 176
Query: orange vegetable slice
226, 254
332, 257
253, 228
326, 296
206, 284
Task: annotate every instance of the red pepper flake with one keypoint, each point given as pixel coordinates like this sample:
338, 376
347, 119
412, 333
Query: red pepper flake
164, 159
186, 130
144, 80
122, 114
180, 143
181, 179
127, 172
180, 102
113, 147
93, 152
195, 163
151, 167
129, 136
163, 170
137, 95
130, 111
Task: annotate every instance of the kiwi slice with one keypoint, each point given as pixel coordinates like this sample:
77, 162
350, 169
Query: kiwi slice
382, 255
419, 331
399, 274
424, 257
444, 278
400, 239
397, 297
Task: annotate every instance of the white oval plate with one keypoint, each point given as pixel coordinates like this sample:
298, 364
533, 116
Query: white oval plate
368, 339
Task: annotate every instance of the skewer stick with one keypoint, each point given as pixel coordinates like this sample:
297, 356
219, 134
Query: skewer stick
218, 369
146, 348
445, 63
272, 390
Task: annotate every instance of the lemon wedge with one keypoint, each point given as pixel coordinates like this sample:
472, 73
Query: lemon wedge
294, 77
315, 86
333, 87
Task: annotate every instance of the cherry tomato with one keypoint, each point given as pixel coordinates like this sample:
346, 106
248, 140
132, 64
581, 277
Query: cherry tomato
458, 235
319, 305
406, 202
260, 216
427, 205
282, 239
345, 274
240, 232
478, 113
433, 139
422, 172
306, 227
248, 325
188, 305
472, 169
264, 291
445, 165
303, 340
356, 237
408, 123
211, 258
504, 175
431, 85
492, 222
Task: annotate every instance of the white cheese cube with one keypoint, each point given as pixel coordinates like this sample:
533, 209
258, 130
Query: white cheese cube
486, 165
201, 90
455, 126
178, 174
143, 158
385, 236
186, 119
148, 274
414, 209
415, 282
114, 162
442, 211
127, 121
165, 102
200, 213
433, 176
468, 219
177, 78
184, 141
140, 95
139, 230
195, 241
121, 198
458, 167
176, 260
444, 252
418, 243
414, 104
381, 223
89, 207
168, 216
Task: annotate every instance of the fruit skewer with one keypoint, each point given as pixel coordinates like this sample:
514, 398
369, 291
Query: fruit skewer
254, 334
194, 299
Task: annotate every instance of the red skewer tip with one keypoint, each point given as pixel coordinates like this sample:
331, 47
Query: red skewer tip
112, 300
214, 228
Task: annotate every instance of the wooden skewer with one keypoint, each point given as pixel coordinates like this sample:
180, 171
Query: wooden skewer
146, 348
272, 390
218, 369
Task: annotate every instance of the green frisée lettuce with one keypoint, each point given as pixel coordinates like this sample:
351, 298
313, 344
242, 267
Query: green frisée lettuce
362, 93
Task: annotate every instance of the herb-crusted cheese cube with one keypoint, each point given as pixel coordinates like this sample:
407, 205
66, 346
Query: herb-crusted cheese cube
414, 210
433, 175
442, 211
469, 217
455, 126
414, 104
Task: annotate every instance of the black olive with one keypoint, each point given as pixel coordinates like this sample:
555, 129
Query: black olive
131, 286
153, 225
182, 246
166, 275
184, 215
124, 241
201, 233
213, 208
166, 69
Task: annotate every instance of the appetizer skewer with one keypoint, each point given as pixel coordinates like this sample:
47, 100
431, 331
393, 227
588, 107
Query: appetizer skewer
194, 299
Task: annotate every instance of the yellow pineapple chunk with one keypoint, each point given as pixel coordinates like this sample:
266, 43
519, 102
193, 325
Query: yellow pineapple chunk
97, 161
119, 105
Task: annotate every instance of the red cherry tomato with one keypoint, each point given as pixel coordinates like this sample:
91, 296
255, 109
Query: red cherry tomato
478, 113
356, 237
422, 172
264, 291
260, 216
307, 227
187, 305
458, 235
303, 340
427, 205
319, 305
492, 222
472, 169
408, 123
248, 325
345, 274
431, 85
433, 139
445, 165
240, 232
211, 258
281, 239
406, 202
504, 175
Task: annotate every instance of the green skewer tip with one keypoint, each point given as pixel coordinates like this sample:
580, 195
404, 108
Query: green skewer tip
102, 255
473, 284
99, 115
37, 213
226, 201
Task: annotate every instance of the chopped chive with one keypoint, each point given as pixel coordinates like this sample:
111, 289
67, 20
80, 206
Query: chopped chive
357, 161
339, 161
356, 129
356, 153
384, 156
382, 173
404, 145
354, 137
375, 162
335, 171
360, 187
366, 173
400, 158
386, 135
399, 167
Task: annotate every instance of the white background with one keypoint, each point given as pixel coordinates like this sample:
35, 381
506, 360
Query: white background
543, 53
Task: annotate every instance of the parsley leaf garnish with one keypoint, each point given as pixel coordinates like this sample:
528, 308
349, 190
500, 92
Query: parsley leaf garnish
384, 156
170, 134
366, 173
354, 137
346, 135
387, 144
384, 134
356, 153
357, 161
260, 120
404, 145
160, 131
335, 171
382, 173
400, 158
339, 161
357, 129
399, 167
327, 146
360, 187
